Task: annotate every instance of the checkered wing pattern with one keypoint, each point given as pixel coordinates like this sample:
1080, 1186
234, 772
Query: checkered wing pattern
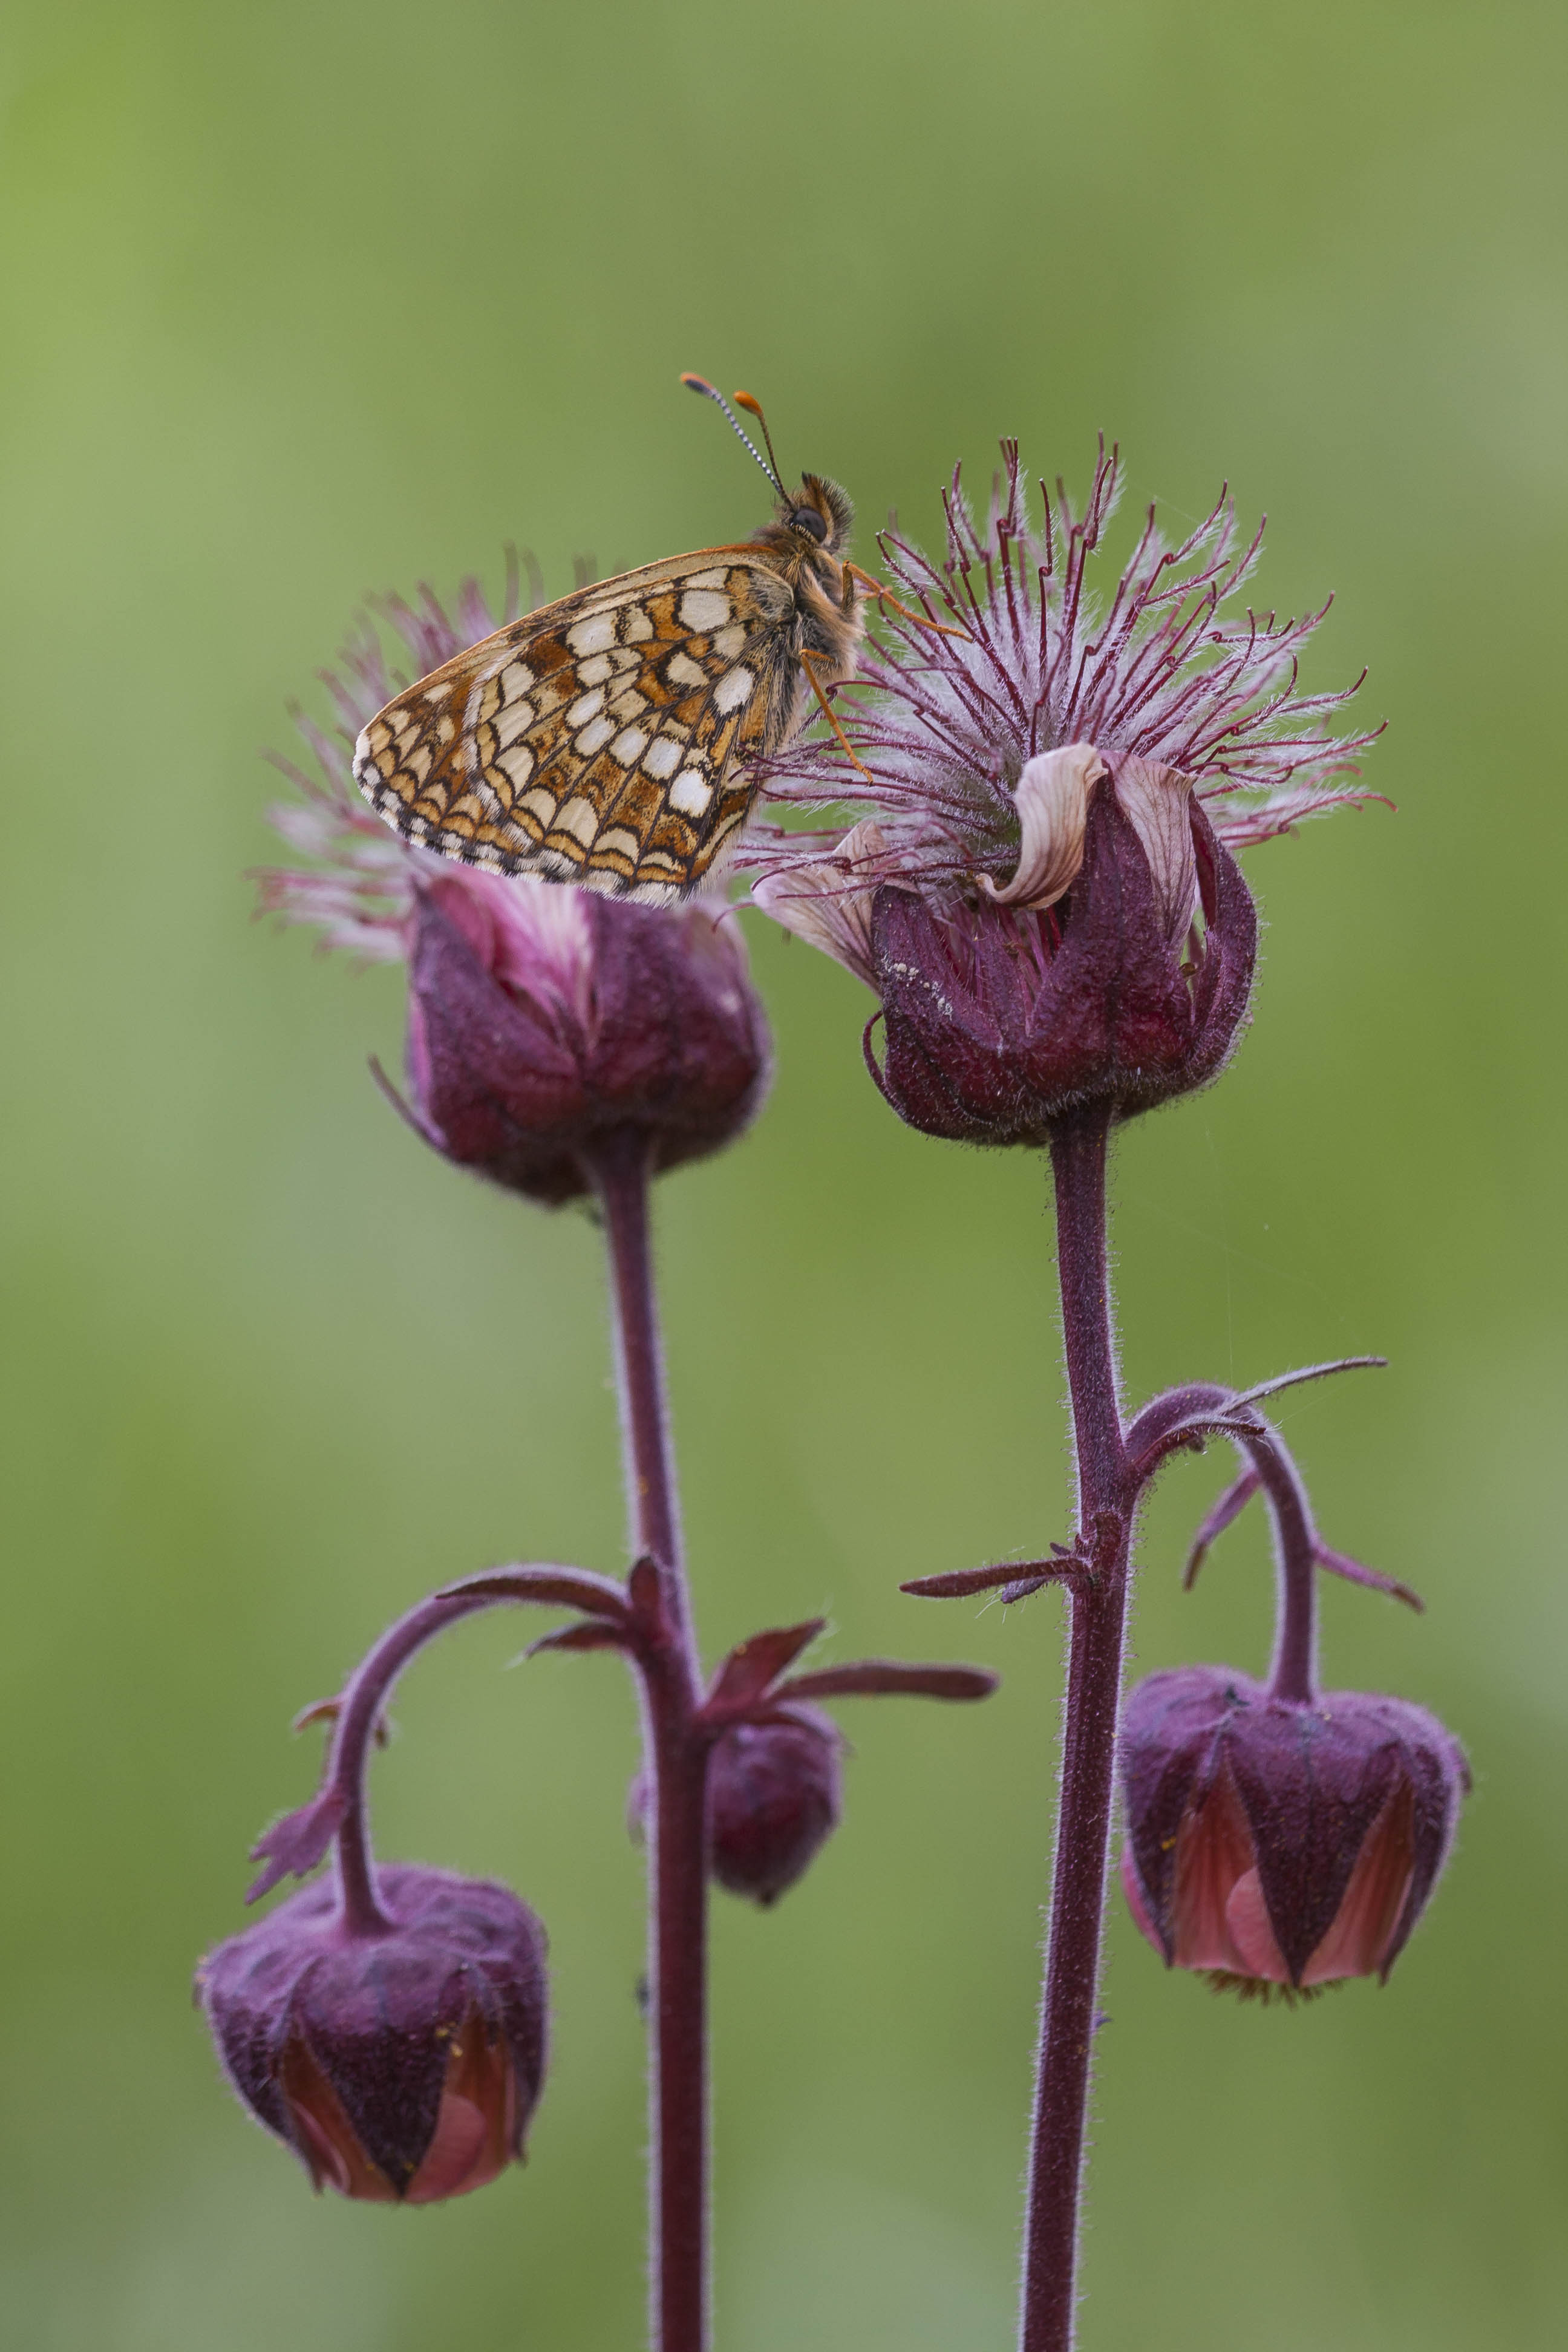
602, 739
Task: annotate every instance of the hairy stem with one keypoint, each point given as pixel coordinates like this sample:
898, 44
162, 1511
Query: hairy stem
357, 1718
1293, 1674
1097, 1632
677, 1772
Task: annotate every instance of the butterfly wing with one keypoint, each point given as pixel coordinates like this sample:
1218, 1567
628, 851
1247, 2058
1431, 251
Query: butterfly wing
598, 739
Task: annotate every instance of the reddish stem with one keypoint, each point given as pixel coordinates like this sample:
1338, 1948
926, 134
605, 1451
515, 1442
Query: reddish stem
1292, 1674
678, 1751
1097, 1632
357, 1718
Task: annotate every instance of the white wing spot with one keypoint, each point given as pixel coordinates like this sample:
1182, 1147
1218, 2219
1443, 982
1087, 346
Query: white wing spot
585, 707
437, 695
685, 671
733, 690
731, 641
594, 636
515, 720
518, 764
714, 579
581, 820
629, 746
636, 626
691, 793
663, 757
516, 678
593, 738
596, 669
701, 609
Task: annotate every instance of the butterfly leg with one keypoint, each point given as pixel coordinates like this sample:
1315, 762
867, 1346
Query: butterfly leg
827, 711
884, 596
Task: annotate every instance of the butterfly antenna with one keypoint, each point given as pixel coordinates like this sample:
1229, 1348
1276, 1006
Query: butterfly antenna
700, 384
753, 406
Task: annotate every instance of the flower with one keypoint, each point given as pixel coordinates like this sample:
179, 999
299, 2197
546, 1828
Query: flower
541, 1018
400, 2065
774, 1791
1275, 1843
1040, 883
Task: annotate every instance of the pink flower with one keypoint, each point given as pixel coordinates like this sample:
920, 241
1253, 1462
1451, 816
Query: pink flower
1040, 883
541, 1018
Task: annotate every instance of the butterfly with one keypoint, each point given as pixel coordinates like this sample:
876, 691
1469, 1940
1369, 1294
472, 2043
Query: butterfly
604, 739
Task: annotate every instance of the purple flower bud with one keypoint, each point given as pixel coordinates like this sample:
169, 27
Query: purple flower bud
774, 1791
401, 2066
775, 1795
1275, 1843
541, 1018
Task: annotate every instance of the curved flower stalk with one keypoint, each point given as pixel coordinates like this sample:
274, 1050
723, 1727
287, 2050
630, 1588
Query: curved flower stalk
563, 1045
1281, 1838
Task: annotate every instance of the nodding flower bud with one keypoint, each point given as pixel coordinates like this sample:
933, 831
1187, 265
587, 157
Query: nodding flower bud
400, 2065
775, 1795
1274, 1842
774, 1790
541, 1018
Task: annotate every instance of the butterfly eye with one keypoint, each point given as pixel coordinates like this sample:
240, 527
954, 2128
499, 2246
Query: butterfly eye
806, 519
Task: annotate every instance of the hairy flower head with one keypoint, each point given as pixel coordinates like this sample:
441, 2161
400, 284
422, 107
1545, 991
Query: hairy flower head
543, 1019
1037, 809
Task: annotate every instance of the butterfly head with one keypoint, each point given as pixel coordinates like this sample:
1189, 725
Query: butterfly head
819, 515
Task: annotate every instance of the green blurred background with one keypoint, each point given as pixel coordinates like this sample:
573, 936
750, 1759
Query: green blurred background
304, 301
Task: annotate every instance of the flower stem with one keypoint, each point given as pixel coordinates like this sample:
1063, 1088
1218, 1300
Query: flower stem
678, 1769
620, 1177
1097, 1632
1292, 1674
357, 1718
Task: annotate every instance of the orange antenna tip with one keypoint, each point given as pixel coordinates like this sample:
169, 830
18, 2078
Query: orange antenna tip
749, 400
699, 383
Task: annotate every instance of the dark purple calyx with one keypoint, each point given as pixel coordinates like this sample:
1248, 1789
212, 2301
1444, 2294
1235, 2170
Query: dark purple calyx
1000, 1020
541, 1019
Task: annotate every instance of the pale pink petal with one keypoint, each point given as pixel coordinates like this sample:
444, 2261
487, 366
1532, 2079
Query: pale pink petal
1214, 1852
827, 902
1252, 1932
1357, 1943
1158, 804
1052, 799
